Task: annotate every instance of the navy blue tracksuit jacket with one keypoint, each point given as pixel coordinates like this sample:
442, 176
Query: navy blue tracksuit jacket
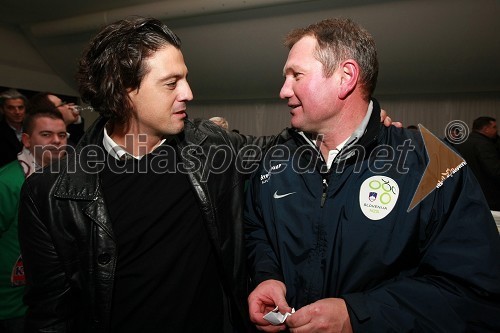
348, 233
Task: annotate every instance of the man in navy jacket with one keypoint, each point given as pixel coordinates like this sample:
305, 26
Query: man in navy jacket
358, 227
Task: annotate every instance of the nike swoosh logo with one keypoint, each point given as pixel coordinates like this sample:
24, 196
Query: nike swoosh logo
279, 196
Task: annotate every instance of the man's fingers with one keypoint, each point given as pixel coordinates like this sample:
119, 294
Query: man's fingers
387, 121
299, 318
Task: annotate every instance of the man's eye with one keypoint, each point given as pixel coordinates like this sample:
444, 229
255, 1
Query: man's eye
172, 84
45, 135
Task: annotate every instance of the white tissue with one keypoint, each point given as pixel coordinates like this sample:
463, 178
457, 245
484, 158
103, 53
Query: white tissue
277, 318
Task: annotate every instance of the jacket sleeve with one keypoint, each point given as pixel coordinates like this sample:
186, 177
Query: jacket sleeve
455, 286
247, 149
251, 150
262, 259
48, 290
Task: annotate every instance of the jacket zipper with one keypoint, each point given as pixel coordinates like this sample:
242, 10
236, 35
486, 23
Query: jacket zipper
325, 188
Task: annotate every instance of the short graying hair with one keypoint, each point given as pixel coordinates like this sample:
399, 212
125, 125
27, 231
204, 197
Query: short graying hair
11, 94
340, 39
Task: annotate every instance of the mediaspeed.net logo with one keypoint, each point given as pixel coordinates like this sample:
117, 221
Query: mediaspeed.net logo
218, 159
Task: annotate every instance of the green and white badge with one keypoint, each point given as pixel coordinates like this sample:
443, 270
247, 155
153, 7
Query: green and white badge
378, 196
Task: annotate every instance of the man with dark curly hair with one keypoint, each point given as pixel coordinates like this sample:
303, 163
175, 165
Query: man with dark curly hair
141, 230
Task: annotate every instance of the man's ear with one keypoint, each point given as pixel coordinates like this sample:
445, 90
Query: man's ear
349, 77
25, 139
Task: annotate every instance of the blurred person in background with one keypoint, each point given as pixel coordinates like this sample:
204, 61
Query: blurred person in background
13, 108
74, 121
481, 152
44, 140
221, 121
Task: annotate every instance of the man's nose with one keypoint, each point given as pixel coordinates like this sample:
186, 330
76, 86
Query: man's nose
57, 139
186, 94
286, 91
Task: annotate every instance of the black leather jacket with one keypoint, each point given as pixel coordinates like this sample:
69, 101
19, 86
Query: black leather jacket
67, 239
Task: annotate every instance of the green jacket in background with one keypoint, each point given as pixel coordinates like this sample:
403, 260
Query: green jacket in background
11, 269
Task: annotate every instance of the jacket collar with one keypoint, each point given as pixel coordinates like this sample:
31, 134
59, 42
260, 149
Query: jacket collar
365, 140
373, 129
365, 136
192, 134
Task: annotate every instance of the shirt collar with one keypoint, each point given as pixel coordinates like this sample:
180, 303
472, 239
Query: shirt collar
19, 133
28, 162
117, 151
